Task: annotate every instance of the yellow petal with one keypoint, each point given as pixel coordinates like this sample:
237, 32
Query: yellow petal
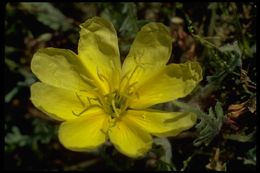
129, 139
98, 51
175, 81
148, 54
54, 67
161, 123
59, 103
84, 133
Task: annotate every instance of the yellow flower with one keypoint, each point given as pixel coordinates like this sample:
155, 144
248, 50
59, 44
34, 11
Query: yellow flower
99, 100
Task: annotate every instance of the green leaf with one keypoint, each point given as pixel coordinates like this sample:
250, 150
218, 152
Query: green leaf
165, 159
11, 94
240, 137
47, 14
15, 139
129, 24
209, 126
44, 37
251, 156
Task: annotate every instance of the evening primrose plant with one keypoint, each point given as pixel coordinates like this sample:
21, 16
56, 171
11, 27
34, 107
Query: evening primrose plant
98, 99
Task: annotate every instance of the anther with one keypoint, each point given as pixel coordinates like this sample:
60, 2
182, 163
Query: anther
87, 80
132, 87
103, 78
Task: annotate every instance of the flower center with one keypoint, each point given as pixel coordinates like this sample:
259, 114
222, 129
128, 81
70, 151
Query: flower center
116, 104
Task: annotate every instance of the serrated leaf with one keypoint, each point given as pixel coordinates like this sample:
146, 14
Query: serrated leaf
230, 56
240, 137
233, 47
251, 157
209, 125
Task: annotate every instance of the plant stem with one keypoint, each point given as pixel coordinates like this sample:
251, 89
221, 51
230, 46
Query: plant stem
82, 165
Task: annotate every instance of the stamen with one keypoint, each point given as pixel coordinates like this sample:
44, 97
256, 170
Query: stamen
112, 64
78, 114
124, 105
115, 109
131, 87
133, 72
125, 76
88, 81
89, 100
82, 103
112, 123
84, 110
99, 98
103, 78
